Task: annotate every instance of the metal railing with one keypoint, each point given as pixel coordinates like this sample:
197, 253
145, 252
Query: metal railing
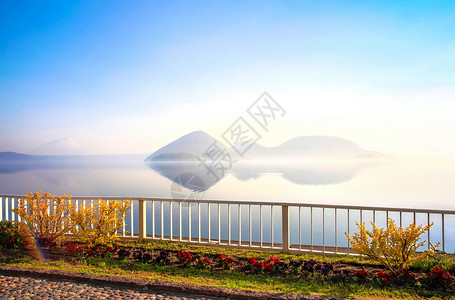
286, 227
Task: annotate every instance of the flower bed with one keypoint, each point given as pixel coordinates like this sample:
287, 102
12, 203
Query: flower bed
311, 269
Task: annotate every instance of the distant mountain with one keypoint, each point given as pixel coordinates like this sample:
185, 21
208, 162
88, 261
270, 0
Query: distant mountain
311, 147
193, 145
63, 146
188, 147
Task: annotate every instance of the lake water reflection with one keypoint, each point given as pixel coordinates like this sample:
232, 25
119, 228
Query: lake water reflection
397, 183
403, 183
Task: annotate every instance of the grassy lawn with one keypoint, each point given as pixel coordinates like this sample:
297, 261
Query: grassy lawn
314, 284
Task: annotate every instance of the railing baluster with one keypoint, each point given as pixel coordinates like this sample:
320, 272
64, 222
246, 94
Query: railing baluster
180, 221
260, 224
300, 228
153, 218
271, 223
443, 234
336, 231
6, 209
349, 246
124, 221
132, 219
171, 232
250, 227
199, 221
208, 220
311, 222
162, 220
229, 224
240, 225
189, 221
219, 224
323, 230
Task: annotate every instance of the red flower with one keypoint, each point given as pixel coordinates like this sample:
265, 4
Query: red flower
221, 257
258, 265
72, 247
252, 260
361, 273
384, 279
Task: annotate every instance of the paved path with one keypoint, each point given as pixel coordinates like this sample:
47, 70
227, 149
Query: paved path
24, 287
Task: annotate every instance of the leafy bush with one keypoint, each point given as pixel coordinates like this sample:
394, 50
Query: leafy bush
9, 235
439, 259
98, 223
394, 247
44, 217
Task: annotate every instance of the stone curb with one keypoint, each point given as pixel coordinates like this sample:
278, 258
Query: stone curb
157, 285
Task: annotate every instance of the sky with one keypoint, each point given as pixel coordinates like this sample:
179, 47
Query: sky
131, 76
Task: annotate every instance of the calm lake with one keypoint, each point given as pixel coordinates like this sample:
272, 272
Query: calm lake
400, 183
405, 183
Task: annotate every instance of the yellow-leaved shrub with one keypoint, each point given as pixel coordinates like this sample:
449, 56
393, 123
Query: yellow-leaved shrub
394, 247
44, 217
99, 222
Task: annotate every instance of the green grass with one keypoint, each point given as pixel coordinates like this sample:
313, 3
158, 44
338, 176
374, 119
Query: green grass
232, 279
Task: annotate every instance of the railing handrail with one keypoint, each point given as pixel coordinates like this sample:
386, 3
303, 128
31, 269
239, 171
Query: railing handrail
254, 202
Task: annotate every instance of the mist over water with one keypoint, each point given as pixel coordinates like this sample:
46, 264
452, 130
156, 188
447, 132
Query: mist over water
406, 183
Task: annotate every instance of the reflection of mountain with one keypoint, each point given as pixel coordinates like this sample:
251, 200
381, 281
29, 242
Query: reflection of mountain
310, 173
11, 162
182, 172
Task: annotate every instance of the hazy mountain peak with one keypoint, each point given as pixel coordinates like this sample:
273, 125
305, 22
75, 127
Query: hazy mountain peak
311, 147
62, 146
189, 146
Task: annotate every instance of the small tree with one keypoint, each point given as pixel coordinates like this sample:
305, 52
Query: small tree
44, 217
394, 247
99, 222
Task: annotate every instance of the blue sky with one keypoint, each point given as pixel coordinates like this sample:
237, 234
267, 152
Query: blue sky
124, 77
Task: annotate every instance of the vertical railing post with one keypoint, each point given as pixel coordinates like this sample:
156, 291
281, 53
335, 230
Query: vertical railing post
142, 220
6, 209
285, 227
443, 234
